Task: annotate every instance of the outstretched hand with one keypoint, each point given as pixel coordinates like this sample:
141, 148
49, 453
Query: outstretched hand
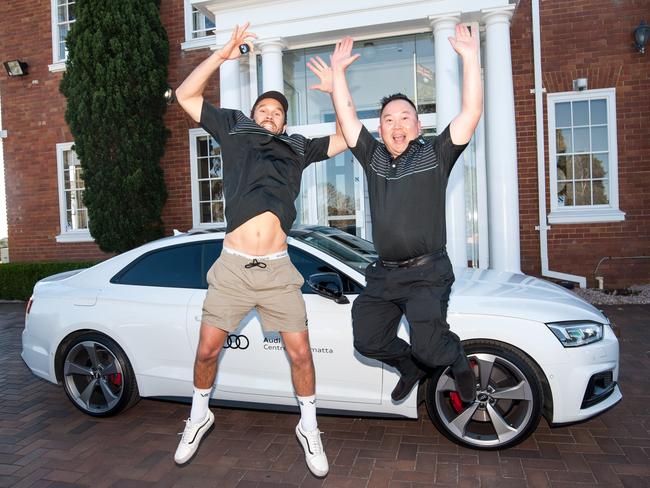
323, 72
240, 35
342, 56
465, 43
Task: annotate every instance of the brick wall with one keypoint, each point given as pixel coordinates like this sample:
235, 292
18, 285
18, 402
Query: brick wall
587, 39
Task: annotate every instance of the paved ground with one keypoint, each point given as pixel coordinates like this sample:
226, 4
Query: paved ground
45, 441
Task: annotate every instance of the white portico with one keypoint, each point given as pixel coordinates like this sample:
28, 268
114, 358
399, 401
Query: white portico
482, 197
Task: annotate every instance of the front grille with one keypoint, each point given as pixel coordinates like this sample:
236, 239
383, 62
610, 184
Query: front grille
600, 386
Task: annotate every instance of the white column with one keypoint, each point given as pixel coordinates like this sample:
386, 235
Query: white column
503, 187
229, 85
245, 84
448, 91
272, 77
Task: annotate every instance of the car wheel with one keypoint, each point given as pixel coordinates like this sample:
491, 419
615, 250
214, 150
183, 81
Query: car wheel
508, 404
97, 376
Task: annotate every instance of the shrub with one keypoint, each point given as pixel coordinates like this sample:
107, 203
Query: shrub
17, 280
115, 80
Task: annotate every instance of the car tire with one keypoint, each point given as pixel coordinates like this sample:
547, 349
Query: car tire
97, 376
509, 398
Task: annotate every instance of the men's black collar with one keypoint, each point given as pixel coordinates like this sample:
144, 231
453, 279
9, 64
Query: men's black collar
246, 125
417, 142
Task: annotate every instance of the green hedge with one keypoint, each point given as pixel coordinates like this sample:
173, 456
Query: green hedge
17, 280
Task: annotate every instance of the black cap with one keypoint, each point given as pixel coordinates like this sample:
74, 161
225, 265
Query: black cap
275, 95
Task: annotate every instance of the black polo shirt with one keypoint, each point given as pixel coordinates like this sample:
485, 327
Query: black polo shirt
407, 194
261, 170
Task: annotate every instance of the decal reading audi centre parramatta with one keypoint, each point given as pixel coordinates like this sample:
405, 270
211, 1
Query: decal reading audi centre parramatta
275, 344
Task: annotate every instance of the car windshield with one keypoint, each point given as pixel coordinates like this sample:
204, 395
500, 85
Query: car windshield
351, 250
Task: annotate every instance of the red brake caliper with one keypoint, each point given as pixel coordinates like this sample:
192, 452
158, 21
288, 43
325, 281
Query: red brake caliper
456, 402
115, 378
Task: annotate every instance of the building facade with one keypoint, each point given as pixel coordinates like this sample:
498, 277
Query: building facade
552, 184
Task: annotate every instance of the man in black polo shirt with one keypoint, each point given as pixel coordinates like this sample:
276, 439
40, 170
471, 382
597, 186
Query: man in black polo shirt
262, 169
407, 177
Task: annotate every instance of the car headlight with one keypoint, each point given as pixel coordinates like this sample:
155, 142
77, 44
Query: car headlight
574, 334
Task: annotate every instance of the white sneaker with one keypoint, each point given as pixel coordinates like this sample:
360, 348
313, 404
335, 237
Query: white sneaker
314, 453
191, 439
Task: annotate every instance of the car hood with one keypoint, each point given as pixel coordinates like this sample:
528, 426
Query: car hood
516, 295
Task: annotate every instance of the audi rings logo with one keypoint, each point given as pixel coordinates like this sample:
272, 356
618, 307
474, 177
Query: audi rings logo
236, 342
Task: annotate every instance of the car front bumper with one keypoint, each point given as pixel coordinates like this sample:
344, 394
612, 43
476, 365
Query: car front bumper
573, 394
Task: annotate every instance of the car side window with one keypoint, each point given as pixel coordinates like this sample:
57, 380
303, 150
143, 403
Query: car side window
308, 265
182, 266
211, 251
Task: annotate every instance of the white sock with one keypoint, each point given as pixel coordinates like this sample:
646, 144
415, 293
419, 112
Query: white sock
308, 413
200, 402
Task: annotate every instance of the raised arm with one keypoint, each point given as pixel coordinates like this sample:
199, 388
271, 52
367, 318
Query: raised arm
190, 93
324, 73
463, 125
346, 113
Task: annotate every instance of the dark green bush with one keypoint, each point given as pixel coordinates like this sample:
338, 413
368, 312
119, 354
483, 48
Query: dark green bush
115, 80
17, 280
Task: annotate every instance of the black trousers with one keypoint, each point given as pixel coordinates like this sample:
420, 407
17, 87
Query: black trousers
422, 294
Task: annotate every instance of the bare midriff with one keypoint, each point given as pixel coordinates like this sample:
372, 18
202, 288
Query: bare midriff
260, 236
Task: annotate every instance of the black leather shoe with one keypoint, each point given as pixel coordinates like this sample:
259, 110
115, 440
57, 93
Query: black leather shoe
405, 385
465, 379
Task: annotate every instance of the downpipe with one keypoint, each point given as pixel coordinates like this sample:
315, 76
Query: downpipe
543, 227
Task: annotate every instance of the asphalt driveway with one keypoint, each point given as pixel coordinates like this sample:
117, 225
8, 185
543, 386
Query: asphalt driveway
46, 442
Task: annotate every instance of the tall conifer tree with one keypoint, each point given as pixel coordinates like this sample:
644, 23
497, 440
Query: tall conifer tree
116, 75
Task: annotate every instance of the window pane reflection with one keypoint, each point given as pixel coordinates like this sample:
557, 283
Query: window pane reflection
598, 111
581, 140
580, 113
600, 165
563, 114
601, 192
583, 193
582, 171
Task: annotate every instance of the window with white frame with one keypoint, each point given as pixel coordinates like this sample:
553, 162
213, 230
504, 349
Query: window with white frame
207, 180
73, 212
202, 25
583, 156
63, 16
199, 28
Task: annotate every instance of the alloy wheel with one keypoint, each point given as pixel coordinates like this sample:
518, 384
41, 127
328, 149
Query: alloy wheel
93, 377
507, 405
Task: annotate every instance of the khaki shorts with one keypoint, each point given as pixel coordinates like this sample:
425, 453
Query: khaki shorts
274, 291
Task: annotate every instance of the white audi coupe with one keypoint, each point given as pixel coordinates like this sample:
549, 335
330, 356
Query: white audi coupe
128, 328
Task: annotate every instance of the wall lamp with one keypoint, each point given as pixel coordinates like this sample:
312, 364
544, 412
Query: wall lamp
16, 67
641, 35
580, 84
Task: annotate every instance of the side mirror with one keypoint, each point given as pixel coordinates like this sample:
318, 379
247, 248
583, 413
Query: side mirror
328, 285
